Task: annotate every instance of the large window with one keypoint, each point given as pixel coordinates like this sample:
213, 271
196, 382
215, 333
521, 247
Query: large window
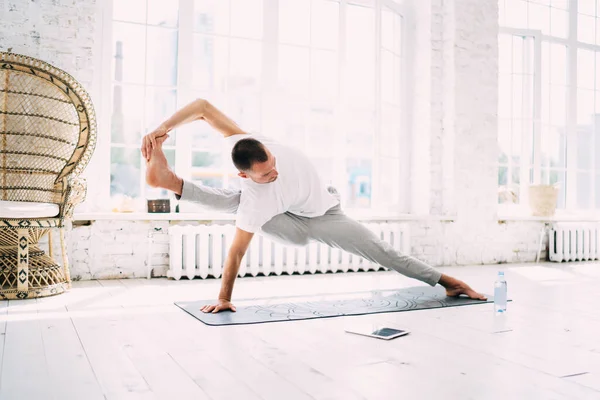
322, 75
549, 100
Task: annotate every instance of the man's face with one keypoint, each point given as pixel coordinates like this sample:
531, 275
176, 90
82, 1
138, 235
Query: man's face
265, 172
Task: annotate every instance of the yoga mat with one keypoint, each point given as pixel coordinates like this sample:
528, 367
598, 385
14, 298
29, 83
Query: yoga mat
254, 311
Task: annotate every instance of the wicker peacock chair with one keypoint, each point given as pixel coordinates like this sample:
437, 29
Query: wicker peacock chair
47, 137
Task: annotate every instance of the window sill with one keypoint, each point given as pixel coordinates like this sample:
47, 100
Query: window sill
555, 218
138, 216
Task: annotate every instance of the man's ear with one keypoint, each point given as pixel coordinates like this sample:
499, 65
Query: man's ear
242, 175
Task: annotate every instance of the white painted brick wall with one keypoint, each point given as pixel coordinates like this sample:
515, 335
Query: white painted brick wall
453, 94
60, 32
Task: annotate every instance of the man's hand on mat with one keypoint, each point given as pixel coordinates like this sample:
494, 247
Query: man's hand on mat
152, 140
455, 288
220, 306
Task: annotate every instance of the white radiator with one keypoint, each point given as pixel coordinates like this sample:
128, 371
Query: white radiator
574, 241
200, 251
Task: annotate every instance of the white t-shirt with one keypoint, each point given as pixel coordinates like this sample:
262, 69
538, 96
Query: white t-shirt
298, 188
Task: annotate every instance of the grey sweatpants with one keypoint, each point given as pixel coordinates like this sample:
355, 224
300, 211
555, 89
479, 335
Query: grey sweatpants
334, 229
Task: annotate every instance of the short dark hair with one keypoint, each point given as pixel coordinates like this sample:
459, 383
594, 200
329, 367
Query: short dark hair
246, 152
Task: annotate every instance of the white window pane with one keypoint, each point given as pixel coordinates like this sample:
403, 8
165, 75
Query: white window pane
325, 24
505, 53
125, 172
163, 13
245, 64
546, 65
127, 114
559, 23
160, 105
558, 105
293, 71
321, 132
391, 132
203, 135
360, 55
562, 4
130, 11
553, 147
288, 122
559, 178
210, 63
586, 7
539, 18
358, 181
247, 18
545, 106
598, 30
504, 139
586, 29
586, 69
129, 52
294, 22
597, 184
325, 167
518, 55
389, 189
245, 106
360, 128
207, 159
519, 127
161, 64
597, 70
558, 64
585, 148
504, 96
397, 80
387, 77
211, 16
324, 77
516, 13
391, 31
584, 190
517, 97
585, 106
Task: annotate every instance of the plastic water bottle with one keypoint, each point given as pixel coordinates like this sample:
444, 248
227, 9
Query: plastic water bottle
500, 294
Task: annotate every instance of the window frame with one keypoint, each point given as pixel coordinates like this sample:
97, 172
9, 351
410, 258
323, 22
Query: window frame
572, 45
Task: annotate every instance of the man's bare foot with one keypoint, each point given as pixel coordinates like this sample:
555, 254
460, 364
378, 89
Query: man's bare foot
159, 174
455, 288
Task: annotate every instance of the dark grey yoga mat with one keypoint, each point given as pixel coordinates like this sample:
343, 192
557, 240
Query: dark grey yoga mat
255, 311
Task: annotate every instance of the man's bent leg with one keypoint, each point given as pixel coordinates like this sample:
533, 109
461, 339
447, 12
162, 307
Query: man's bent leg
159, 174
340, 231
221, 200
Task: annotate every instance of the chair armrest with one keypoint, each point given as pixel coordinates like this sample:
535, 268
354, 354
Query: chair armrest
76, 192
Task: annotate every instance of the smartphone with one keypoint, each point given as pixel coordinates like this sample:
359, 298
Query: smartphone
377, 332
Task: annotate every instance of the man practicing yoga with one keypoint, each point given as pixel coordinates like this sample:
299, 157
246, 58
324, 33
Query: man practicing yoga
282, 196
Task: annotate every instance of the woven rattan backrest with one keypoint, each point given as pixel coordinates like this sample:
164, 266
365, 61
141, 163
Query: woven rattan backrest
47, 129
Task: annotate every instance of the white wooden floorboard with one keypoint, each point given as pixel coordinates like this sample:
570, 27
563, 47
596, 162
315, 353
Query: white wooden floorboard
118, 376
128, 341
69, 368
24, 366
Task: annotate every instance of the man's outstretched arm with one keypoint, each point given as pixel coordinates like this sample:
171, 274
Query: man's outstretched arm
238, 249
197, 110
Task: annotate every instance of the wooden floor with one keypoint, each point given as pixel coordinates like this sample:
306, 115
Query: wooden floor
124, 339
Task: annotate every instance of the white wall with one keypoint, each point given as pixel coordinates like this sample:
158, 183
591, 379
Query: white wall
452, 98
60, 32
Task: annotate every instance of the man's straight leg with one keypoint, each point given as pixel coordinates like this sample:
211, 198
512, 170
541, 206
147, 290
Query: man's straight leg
340, 231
